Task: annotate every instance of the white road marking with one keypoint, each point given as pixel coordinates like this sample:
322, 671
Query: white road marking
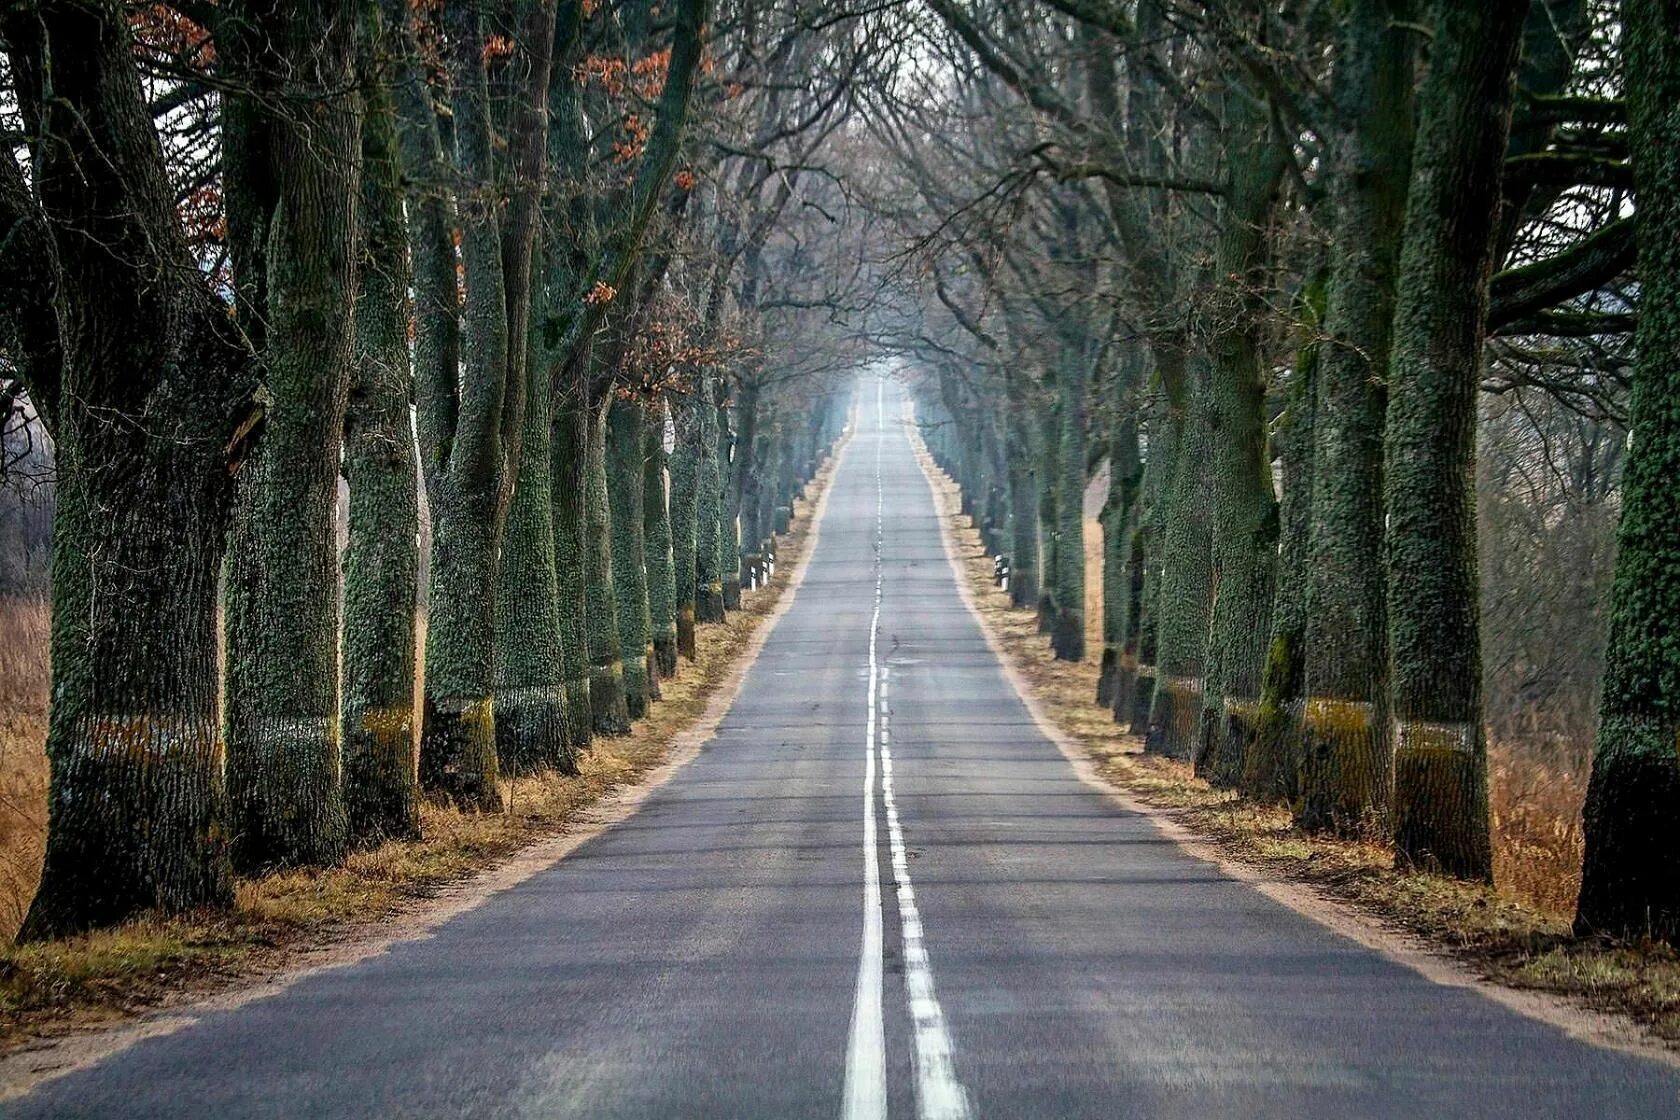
866, 1052
939, 1095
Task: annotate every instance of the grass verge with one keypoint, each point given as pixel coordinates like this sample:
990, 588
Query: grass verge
1518, 940
51, 988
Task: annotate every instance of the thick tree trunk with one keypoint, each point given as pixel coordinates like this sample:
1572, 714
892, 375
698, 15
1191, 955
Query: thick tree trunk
1067, 635
729, 454
684, 513
1344, 732
1245, 512
1630, 885
657, 540
292, 189
1119, 523
1023, 495
1047, 473
1186, 590
607, 699
1271, 769
135, 384
708, 508
382, 552
572, 558
1440, 757
1168, 433
532, 732
629, 563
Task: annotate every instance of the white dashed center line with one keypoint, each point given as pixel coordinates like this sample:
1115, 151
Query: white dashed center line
939, 1095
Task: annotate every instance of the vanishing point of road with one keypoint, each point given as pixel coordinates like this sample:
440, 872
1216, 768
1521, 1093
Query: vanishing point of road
879, 891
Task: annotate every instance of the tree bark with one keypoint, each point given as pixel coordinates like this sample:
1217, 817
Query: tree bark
137, 385
1440, 756
1245, 512
657, 541
1630, 885
382, 551
1344, 732
291, 137
629, 558
607, 671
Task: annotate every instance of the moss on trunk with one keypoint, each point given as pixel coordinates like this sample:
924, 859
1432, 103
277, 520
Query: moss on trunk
629, 564
1345, 639
291, 225
1630, 885
382, 553
1440, 762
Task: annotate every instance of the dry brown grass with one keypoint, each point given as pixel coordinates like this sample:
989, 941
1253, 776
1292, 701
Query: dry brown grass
1516, 933
54, 986
24, 679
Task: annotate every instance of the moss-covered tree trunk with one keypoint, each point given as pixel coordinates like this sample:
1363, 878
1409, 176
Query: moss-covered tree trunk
134, 384
709, 565
1023, 494
458, 744
532, 732
729, 454
1119, 525
1270, 770
382, 549
572, 558
1630, 885
1047, 473
1440, 757
629, 563
291, 193
1067, 634
684, 519
607, 671
657, 540
1186, 587
743, 490
1168, 433
1344, 726
1245, 511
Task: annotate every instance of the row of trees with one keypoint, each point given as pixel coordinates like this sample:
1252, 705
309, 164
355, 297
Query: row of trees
1275, 266
494, 269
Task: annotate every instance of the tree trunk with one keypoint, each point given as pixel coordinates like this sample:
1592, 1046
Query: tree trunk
708, 507
729, 454
1270, 771
608, 702
1186, 590
572, 557
656, 539
1440, 757
1245, 512
1023, 495
1630, 885
684, 464
291, 185
382, 553
137, 400
1067, 635
1344, 732
629, 563
532, 705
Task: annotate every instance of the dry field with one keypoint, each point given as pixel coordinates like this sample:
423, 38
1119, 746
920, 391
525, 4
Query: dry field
1515, 932
23, 754
52, 987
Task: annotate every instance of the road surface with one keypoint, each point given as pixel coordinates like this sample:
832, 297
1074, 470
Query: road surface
979, 934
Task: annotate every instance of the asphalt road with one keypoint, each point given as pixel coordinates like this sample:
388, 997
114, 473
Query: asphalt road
1009, 945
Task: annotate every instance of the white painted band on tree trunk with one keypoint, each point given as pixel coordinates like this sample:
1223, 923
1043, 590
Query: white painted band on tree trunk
145, 735
1417, 736
509, 698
